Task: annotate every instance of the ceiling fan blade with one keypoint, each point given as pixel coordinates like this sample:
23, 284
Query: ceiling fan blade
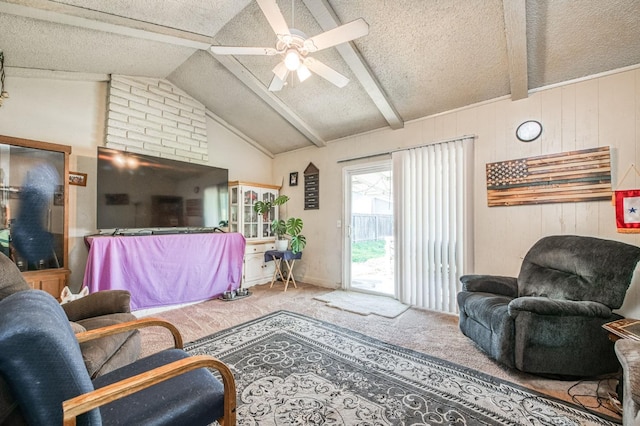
338, 35
239, 50
274, 16
281, 71
276, 83
326, 72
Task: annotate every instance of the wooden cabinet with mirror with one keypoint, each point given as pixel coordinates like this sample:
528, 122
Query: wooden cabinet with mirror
34, 210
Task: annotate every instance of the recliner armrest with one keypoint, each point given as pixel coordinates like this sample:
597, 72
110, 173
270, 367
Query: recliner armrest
96, 304
506, 286
556, 307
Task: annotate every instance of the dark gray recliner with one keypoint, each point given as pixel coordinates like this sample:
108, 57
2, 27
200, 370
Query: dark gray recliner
549, 320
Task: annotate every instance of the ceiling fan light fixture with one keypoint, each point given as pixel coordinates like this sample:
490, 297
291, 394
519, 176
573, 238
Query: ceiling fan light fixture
303, 73
292, 60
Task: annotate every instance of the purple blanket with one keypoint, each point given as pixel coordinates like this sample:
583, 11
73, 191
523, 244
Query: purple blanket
162, 270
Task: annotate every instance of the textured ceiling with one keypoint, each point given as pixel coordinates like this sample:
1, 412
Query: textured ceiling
420, 57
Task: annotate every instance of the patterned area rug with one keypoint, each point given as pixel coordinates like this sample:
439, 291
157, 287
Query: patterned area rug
294, 370
363, 304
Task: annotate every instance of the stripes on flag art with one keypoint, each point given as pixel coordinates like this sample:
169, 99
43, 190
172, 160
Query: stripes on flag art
566, 177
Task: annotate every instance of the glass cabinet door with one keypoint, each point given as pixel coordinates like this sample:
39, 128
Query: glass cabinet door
268, 196
243, 218
32, 227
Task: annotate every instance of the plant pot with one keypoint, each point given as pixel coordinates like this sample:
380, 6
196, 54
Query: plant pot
281, 245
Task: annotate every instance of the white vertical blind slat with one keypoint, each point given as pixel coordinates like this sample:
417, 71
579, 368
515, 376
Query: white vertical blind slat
431, 190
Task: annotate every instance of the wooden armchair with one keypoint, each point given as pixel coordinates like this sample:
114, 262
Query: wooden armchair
41, 363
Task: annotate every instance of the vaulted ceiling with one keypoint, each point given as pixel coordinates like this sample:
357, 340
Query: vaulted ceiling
421, 57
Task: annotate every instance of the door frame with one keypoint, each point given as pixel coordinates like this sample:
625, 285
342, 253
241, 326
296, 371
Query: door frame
347, 173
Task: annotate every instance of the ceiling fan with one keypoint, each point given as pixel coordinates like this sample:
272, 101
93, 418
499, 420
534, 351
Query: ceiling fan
294, 47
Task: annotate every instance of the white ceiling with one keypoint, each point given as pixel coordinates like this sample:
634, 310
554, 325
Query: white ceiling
421, 57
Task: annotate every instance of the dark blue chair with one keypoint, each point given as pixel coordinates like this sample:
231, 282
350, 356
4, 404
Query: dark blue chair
41, 363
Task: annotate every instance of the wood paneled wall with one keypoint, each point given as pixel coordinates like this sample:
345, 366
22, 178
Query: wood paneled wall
602, 111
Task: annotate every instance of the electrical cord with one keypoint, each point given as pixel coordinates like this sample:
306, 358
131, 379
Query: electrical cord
608, 402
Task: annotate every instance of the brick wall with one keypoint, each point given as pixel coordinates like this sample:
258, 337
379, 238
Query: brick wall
153, 117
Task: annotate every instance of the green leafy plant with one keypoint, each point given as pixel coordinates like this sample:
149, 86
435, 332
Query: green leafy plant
264, 207
294, 227
283, 228
279, 227
291, 227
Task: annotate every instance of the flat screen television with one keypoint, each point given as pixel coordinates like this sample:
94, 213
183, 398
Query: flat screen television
138, 191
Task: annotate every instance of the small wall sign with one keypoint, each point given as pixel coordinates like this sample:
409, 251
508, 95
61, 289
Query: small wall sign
311, 187
76, 178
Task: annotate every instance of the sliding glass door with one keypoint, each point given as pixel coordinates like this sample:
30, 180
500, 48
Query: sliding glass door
369, 246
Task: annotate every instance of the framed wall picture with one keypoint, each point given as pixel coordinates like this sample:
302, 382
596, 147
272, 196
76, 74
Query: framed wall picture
293, 179
76, 178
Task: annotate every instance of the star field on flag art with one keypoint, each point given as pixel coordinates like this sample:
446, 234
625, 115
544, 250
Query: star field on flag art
631, 210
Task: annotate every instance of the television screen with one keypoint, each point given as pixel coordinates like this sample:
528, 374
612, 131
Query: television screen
138, 191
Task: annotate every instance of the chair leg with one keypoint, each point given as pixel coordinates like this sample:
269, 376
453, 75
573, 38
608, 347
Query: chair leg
277, 271
290, 276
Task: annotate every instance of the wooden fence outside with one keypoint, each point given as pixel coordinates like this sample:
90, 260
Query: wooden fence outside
371, 227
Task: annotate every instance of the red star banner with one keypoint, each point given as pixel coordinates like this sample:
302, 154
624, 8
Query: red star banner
628, 211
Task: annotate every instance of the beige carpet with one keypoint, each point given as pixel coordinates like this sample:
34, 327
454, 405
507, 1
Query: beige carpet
429, 332
363, 304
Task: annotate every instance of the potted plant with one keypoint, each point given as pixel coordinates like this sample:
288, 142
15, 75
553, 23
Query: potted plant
279, 228
292, 228
264, 207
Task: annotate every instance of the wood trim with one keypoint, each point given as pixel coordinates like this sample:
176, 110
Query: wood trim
131, 325
515, 29
257, 185
66, 151
28, 143
83, 403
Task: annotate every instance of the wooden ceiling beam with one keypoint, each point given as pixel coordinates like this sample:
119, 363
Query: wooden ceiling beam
256, 86
327, 18
93, 20
515, 26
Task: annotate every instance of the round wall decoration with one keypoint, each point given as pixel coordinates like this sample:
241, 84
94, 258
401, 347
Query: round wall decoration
529, 131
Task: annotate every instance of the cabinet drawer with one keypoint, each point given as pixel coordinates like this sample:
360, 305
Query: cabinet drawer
259, 248
253, 248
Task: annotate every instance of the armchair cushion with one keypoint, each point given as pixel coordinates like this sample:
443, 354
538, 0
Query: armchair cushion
108, 353
574, 267
98, 310
194, 405
98, 304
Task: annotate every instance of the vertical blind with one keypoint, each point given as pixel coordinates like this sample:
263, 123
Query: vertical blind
432, 202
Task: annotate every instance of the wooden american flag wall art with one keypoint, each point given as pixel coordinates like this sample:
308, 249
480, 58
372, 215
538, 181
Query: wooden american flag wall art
566, 177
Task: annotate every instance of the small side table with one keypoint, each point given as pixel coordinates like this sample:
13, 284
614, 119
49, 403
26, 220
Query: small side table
625, 328
289, 259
